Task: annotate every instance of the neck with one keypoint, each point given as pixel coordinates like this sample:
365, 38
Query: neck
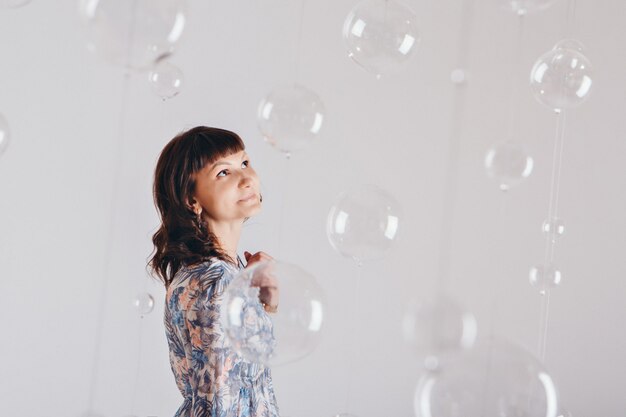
227, 234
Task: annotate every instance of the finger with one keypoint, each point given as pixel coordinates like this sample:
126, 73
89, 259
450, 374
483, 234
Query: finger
247, 255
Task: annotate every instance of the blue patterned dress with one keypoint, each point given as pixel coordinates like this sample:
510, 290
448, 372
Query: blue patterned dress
214, 380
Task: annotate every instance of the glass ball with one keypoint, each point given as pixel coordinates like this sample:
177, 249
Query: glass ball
553, 228
523, 7
273, 338
5, 134
458, 76
492, 379
544, 278
144, 303
13, 4
438, 327
380, 35
363, 223
563, 77
165, 79
133, 33
290, 117
508, 164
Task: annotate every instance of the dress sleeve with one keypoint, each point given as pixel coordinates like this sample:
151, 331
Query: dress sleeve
219, 371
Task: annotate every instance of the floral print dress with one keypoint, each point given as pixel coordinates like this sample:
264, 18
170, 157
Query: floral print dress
214, 380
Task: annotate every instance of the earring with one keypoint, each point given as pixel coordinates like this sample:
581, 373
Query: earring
199, 218
260, 198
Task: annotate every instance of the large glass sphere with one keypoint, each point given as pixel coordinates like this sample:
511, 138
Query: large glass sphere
437, 328
144, 303
522, 7
380, 35
133, 33
290, 117
273, 338
562, 78
5, 134
508, 164
363, 223
494, 379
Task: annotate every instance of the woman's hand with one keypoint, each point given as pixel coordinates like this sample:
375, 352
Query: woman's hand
264, 279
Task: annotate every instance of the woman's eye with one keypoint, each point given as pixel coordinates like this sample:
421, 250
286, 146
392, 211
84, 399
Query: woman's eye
224, 171
245, 164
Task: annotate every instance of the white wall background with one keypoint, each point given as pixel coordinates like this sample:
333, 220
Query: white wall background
76, 212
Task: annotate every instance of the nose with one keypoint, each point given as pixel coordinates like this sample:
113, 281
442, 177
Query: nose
245, 181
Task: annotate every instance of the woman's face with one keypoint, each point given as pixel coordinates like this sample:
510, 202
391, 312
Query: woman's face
227, 190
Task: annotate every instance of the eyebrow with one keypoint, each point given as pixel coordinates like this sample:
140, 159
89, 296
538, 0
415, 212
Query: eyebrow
244, 156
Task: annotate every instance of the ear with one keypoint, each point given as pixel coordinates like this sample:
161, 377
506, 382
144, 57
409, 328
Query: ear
195, 206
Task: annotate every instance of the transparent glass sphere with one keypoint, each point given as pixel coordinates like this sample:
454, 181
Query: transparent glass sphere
165, 79
5, 134
438, 327
363, 223
290, 117
380, 35
144, 303
544, 278
13, 4
553, 228
508, 164
133, 33
492, 379
273, 338
522, 7
563, 77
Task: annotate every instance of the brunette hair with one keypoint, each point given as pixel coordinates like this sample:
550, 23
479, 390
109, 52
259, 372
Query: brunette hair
183, 238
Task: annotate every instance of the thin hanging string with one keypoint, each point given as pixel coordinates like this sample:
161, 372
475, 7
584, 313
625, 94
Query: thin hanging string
451, 179
555, 183
122, 120
298, 45
355, 352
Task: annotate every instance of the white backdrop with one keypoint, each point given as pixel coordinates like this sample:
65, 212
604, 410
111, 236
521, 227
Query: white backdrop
76, 211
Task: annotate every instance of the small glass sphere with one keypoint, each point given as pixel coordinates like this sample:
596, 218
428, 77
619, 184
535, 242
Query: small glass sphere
491, 379
273, 337
458, 76
363, 223
290, 117
165, 79
563, 77
144, 303
133, 33
13, 4
553, 228
544, 278
5, 134
508, 164
380, 35
438, 327
523, 7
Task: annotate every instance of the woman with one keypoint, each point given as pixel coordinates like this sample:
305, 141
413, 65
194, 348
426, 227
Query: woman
204, 190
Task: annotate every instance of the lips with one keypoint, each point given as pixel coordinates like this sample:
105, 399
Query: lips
248, 198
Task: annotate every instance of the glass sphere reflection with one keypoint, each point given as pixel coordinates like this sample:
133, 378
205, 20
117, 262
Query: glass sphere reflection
5, 134
165, 79
522, 7
438, 327
544, 278
508, 164
144, 303
363, 223
380, 35
492, 379
563, 77
133, 33
273, 338
290, 117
